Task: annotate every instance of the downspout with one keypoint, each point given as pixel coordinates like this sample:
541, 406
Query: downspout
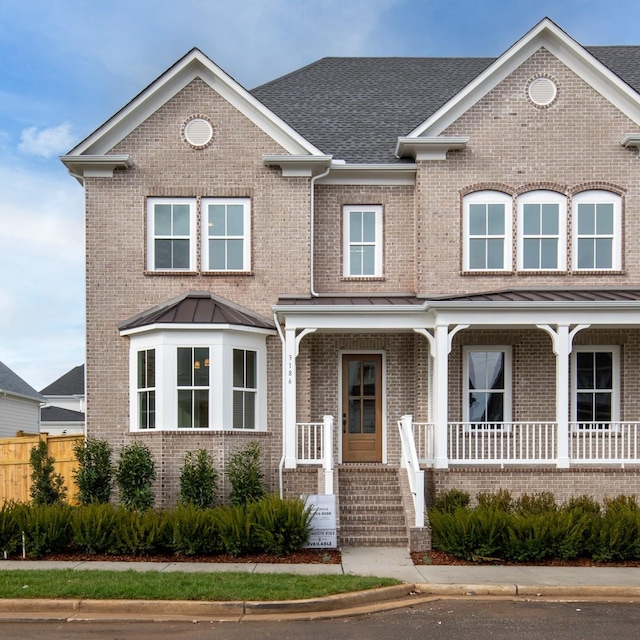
313, 293
312, 219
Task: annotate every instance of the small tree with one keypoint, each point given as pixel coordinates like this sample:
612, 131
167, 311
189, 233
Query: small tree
134, 473
245, 475
198, 480
93, 476
47, 486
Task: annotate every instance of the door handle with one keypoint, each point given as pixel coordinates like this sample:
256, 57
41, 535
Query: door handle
344, 423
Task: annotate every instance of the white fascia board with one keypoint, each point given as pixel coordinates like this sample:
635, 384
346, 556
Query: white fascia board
298, 166
430, 147
196, 327
401, 174
195, 64
81, 167
548, 35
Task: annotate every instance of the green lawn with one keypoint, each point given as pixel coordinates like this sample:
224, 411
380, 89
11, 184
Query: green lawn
152, 585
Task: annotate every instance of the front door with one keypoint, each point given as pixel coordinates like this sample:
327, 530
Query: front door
362, 408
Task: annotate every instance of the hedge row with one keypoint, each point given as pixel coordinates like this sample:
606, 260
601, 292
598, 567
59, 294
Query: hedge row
271, 525
533, 528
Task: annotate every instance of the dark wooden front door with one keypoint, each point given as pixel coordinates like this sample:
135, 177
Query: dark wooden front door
362, 408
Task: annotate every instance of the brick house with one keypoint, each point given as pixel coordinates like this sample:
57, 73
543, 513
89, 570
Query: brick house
398, 275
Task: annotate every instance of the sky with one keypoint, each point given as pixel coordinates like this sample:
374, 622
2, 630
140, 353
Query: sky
66, 66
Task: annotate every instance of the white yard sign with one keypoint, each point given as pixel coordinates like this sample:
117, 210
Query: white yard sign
323, 524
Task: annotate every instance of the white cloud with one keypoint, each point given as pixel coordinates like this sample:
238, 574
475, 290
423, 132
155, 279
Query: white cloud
46, 142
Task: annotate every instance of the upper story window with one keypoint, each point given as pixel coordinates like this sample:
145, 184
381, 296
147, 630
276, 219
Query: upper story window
597, 231
226, 227
542, 244
171, 234
362, 241
487, 231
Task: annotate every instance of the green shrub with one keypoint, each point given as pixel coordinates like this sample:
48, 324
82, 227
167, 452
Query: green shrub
573, 532
245, 475
448, 501
94, 474
615, 535
47, 486
531, 537
46, 527
281, 525
94, 528
194, 531
9, 529
235, 530
584, 505
140, 532
198, 480
134, 474
535, 504
500, 500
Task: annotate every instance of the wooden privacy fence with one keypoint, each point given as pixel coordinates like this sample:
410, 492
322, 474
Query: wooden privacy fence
15, 468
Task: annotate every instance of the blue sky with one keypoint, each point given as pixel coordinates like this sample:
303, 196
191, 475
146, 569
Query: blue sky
68, 65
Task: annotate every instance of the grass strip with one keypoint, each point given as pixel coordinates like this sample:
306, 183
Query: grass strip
152, 585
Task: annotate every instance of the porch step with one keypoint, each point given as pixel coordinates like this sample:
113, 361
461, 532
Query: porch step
371, 511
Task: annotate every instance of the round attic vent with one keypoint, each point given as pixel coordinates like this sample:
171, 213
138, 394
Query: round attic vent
542, 91
198, 132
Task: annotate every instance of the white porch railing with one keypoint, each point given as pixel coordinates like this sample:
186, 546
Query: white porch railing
314, 445
531, 443
410, 462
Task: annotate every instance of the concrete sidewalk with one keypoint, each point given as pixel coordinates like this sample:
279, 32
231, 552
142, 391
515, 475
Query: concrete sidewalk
420, 583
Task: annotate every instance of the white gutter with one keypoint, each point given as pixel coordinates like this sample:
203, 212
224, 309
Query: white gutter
312, 221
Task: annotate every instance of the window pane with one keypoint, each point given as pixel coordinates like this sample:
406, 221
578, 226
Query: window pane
584, 407
586, 219
235, 255
217, 223
180, 254
604, 219
531, 258
584, 370
477, 254
235, 220
495, 370
353, 383
201, 408
201, 367
181, 220
369, 378
354, 416
355, 261
477, 219
185, 364
604, 253
185, 418
142, 369
550, 224
217, 255
251, 369
586, 259
495, 407
249, 410
151, 368
368, 416
602, 409
368, 226
238, 410
531, 221
162, 219
238, 368
495, 219
355, 226
604, 370
368, 260
495, 254
549, 253
162, 251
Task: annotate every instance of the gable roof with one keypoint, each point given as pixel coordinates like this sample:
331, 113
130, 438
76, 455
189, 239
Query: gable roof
69, 384
59, 414
12, 384
197, 307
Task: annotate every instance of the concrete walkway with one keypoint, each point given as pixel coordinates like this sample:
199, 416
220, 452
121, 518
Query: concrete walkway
419, 584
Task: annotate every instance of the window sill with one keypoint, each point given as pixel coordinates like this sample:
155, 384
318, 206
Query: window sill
201, 431
226, 273
488, 273
363, 278
168, 272
598, 272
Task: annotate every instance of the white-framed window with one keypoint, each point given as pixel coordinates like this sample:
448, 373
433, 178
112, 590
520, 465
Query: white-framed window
542, 236
146, 388
487, 386
194, 379
171, 234
595, 384
244, 388
226, 242
362, 232
192, 376
597, 231
487, 231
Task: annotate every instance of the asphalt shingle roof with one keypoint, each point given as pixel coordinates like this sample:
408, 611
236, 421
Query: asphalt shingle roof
69, 384
12, 383
356, 108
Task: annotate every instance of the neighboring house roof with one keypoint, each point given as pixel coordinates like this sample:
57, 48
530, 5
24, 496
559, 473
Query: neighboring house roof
13, 384
58, 414
69, 384
198, 307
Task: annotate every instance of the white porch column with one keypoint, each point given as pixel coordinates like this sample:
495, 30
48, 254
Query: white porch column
289, 400
562, 340
441, 393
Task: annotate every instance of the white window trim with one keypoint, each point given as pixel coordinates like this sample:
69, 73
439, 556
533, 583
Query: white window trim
508, 383
221, 343
151, 236
489, 197
346, 249
544, 197
615, 376
599, 197
246, 237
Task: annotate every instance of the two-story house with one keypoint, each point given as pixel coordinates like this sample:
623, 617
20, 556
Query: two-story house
398, 275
